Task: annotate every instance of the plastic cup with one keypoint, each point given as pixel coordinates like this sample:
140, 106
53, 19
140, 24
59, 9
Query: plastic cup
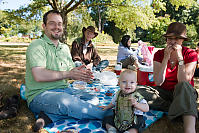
117, 72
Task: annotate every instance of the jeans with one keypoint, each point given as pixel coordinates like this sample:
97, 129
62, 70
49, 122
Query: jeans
65, 103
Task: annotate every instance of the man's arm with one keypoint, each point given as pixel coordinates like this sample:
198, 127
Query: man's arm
42, 74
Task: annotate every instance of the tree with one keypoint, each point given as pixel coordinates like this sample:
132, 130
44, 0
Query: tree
98, 11
63, 6
126, 14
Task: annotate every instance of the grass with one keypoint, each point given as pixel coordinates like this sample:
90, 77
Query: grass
12, 73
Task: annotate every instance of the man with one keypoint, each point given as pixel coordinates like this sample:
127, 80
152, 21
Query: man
84, 51
48, 64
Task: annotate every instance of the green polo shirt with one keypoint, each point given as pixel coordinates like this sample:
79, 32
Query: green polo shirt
43, 53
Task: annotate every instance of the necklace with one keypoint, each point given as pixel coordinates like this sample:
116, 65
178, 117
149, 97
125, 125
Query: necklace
172, 62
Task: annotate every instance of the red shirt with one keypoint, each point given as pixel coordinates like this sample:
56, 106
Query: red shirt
197, 50
189, 55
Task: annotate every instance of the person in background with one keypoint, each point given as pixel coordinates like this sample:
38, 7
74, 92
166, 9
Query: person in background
126, 55
196, 74
84, 52
174, 68
48, 67
129, 106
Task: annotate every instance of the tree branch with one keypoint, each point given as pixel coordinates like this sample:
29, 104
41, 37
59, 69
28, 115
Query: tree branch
74, 7
106, 4
55, 4
66, 7
51, 4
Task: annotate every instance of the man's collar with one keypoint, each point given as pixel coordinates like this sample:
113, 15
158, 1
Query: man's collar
49, 41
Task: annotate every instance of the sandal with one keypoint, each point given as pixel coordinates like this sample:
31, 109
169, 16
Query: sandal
9, 110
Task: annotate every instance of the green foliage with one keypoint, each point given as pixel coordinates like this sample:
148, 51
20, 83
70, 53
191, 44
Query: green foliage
5, 25
185, 3
128, 16
155, 34
98, 11
103, 39
192, 35
76, 21
114, 31
158, 5
15, 39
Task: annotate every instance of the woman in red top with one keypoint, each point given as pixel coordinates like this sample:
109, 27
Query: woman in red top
174, 68
196, 74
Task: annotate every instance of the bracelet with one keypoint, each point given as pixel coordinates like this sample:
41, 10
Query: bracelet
181, 62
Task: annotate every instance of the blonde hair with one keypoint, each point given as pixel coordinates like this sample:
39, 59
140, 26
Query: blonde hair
128, 71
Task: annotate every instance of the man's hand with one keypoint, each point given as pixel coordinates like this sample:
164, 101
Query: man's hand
81, 73
89, 66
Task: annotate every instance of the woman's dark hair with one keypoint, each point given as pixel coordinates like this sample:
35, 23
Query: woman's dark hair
125, 40
49, 12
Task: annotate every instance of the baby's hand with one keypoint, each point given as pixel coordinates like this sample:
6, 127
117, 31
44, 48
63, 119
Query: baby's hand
103, 107
133, 101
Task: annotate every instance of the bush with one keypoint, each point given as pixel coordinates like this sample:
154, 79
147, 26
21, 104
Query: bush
103, 39
15, 39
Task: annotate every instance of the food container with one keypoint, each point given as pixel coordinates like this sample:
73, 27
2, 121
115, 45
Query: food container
79, 85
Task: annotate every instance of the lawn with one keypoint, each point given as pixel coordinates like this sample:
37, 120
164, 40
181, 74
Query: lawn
12, 72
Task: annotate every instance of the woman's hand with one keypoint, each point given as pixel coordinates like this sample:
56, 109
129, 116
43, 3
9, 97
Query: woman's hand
167, 51
178, 50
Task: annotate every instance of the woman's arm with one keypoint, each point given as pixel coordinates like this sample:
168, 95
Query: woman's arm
186, 71
95, 57
159, 72
160, 68
75, 52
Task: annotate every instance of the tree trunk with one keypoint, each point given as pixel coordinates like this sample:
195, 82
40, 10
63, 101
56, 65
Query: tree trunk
104, 21
99, 22
65, 33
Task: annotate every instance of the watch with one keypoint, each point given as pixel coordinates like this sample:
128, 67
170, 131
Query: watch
181, 62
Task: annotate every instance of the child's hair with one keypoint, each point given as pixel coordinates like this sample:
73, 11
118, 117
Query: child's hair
129, 71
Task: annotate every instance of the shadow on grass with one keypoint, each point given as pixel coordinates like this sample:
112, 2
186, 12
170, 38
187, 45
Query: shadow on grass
12, 73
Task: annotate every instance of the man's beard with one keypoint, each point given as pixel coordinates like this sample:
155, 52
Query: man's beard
56, 36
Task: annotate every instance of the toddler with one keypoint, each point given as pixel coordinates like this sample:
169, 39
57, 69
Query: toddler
129, 106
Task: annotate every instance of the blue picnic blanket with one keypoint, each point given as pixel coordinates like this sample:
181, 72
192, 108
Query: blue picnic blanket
94, 126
